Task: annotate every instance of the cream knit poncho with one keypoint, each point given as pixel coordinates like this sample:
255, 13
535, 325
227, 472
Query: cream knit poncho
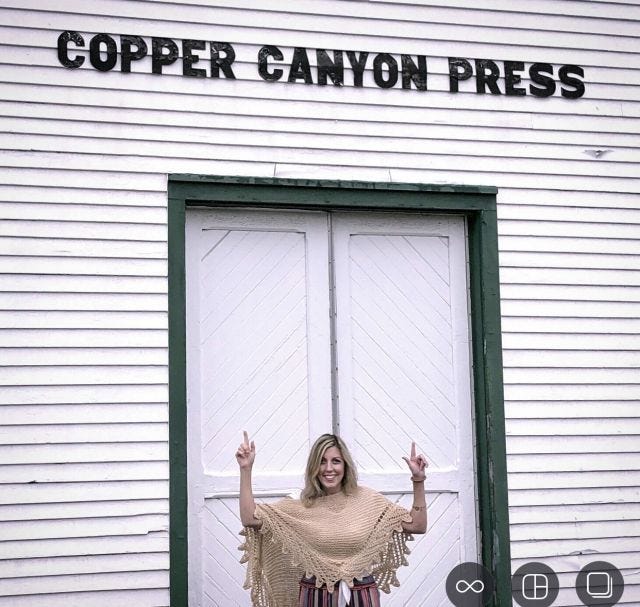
340, 537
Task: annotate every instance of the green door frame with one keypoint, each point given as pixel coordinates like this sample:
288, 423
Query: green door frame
478, 205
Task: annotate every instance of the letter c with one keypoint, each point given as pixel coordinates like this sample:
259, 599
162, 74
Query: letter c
263, 68
63, 49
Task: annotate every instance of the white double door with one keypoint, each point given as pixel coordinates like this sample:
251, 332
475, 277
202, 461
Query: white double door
305, 322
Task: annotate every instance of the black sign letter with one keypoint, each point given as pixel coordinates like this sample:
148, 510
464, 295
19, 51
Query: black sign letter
222, 63
417, 73
300, 68
565, 78
159, 57
334, 69
357, 65
127, 55
511, 79
188, 58
459, 69
538, 74
63, 49
378, 72
263, 68
490, 79
94, 52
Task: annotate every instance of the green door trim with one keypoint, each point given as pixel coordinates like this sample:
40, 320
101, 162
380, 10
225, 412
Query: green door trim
478, 205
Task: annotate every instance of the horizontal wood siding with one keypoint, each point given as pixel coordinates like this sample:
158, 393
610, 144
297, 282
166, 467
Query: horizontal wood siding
83, 256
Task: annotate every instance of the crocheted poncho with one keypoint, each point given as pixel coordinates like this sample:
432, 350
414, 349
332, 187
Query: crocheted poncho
340, 537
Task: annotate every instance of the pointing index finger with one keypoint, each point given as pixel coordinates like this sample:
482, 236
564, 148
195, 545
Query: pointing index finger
413, 449
246, 437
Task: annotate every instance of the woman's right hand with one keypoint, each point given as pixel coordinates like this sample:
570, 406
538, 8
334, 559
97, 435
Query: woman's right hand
246, 453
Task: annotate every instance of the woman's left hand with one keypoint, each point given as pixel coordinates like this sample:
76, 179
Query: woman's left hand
417, 464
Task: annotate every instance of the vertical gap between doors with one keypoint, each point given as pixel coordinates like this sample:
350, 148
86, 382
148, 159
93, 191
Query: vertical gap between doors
335, 418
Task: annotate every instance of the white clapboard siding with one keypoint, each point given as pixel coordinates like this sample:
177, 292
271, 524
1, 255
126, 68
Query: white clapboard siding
593, 546
92, 213
570, 293
591, 341
42, 530
41, 479
577, 530
604, 112
83, 564
518, 515
71, 432
36, 493
49, 193
33, 118
153, 542
88, 452
109, 471
97, 598
186, 143
78, 510
577, 445
566, 376
609, 112
82, 301
83, 250
90, 414
85, 285
573, 198
354, 21
568, 462
198, 155
574, 496
87, 230
576, 408
76, 356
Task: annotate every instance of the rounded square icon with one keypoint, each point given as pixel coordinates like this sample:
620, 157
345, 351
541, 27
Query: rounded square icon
535, 585
599, 583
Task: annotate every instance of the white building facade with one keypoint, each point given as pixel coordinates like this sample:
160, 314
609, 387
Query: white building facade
178, 177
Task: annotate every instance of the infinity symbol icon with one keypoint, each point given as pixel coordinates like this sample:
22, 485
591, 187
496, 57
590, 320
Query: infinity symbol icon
476, 586
469, 585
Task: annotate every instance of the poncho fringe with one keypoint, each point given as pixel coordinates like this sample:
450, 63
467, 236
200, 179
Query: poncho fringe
340, 537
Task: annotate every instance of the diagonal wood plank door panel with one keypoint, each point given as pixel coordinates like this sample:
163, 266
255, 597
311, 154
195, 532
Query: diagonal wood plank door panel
258, 359
404, 375
432, 555
253, 337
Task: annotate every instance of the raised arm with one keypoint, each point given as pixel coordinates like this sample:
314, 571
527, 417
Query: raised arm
417, 464
245, 455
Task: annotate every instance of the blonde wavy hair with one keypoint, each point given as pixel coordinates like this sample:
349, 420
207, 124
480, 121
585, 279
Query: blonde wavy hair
313, 489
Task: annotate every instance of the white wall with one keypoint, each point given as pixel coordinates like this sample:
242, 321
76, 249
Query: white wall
83, 311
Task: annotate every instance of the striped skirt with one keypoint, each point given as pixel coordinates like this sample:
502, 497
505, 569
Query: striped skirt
364, 593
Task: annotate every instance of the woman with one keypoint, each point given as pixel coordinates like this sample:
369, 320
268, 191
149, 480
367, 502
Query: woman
335, 546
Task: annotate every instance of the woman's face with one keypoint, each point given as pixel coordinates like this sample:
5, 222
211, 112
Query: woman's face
331, 470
